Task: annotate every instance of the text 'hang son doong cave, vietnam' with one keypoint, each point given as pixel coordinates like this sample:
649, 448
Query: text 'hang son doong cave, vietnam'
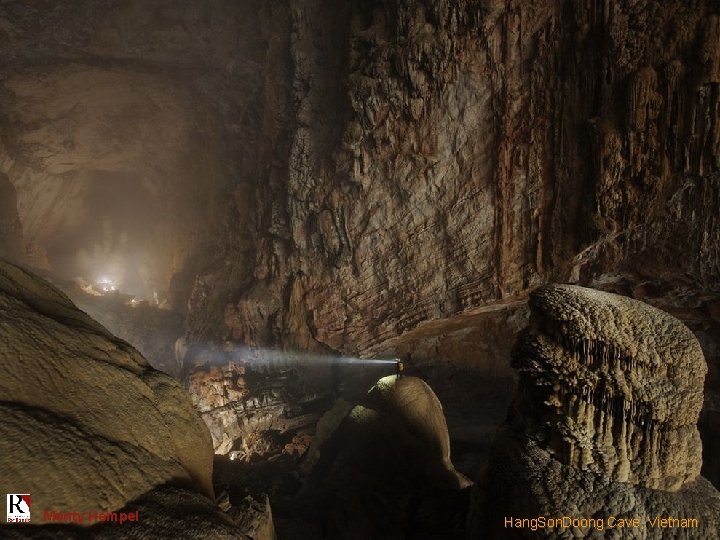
360, 270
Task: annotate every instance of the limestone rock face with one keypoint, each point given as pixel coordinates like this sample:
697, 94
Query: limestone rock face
216, 393
604, 421
242, 397
369, 167
88, 425
447, 157
392, 452
617, 384
440, 154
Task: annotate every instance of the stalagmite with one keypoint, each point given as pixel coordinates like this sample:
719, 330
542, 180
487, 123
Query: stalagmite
629, 381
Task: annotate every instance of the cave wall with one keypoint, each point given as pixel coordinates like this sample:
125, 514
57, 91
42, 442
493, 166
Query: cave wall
445, 156
344, 172
439, 160
123, 128
376, 177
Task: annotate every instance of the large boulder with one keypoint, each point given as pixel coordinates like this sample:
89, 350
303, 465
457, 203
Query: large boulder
603, 425
385, 472
88, 426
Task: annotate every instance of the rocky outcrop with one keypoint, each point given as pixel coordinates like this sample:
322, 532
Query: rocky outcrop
447, 157
604, 422
349, 172
89, 426
248, 398
622, 383
391, 452
367, 167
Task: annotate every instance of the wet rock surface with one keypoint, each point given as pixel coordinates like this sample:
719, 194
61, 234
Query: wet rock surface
604, 421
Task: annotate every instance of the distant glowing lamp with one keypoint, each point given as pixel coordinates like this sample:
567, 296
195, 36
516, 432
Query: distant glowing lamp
106, 284
399, 367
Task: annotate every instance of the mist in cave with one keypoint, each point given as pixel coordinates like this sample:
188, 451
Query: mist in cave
114, 243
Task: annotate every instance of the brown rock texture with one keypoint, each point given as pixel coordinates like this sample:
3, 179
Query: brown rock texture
89, 426
459, 153
604, 422
10, 226
620, 383
349, 172
245, 394
445, 158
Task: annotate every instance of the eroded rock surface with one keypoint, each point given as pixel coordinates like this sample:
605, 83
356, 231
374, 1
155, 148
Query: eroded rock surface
249, 405
604, 421
89, 426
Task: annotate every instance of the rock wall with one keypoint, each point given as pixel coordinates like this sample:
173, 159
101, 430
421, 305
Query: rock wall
444, 156
368, 167
349, 172
441, 159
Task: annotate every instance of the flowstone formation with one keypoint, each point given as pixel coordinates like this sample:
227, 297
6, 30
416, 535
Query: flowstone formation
604, 422
89, 427
621, 385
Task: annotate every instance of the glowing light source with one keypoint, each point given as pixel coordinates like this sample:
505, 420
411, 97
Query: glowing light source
106, 284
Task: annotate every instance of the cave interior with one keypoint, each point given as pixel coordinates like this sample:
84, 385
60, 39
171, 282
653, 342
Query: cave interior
278, 204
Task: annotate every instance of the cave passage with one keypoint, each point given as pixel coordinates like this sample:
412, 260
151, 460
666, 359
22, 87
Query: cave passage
324, 224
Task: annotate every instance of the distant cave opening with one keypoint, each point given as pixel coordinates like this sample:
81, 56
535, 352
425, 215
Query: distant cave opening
115, 246
112, 174
119, 175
